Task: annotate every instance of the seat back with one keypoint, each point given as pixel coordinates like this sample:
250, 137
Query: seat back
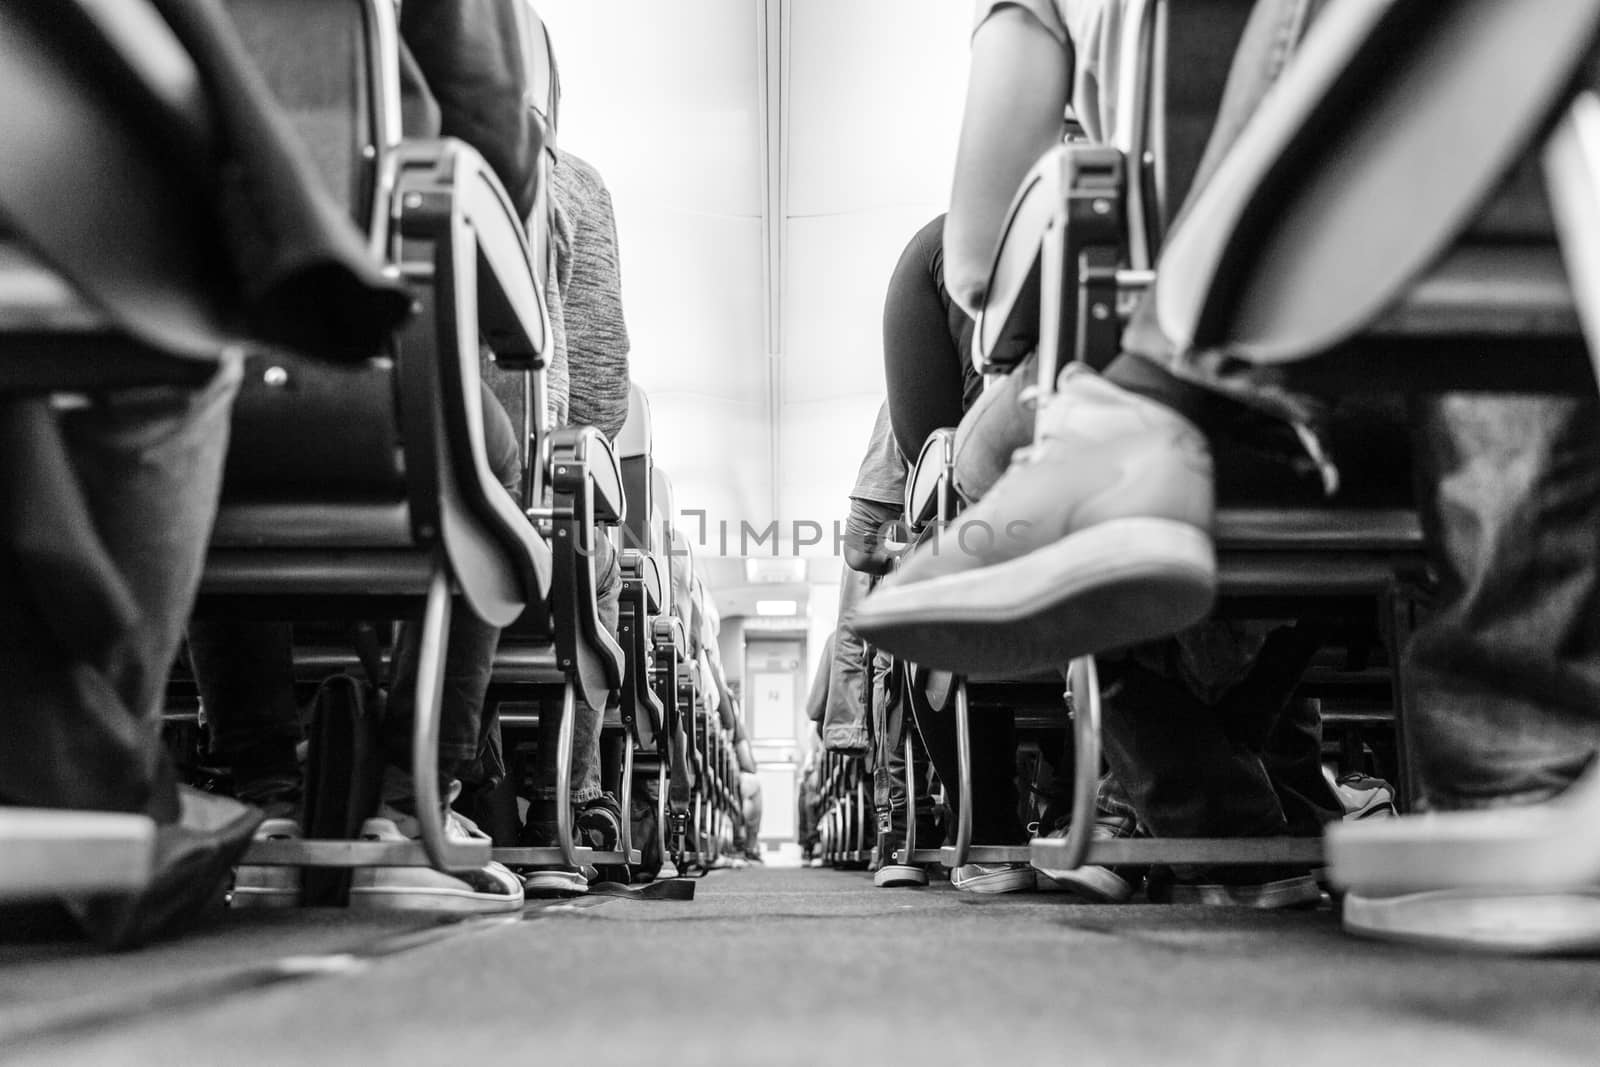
325, 78
1373, 155
321, 61
634, 455
1190, 56
388, 453
662, 509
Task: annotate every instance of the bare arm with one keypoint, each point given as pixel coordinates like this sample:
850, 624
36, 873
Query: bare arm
1017, 93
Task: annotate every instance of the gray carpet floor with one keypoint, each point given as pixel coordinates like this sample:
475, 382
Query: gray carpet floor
799, 967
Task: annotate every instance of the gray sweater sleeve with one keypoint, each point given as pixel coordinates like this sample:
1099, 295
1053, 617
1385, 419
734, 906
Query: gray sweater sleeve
596, 333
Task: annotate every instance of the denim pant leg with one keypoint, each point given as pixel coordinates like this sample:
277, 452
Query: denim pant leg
245, 673
1258, 713
114, 504
889, 794
469, 650
1270, 40
1181, 772
1504, 676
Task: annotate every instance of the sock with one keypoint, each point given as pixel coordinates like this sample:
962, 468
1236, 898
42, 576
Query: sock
1153, 382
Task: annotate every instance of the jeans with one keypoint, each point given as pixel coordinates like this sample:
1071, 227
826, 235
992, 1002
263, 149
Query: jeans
245, 671
1270, 40
587, 724
1503, 677
107, 513
1245, 762
891, 726
844, 720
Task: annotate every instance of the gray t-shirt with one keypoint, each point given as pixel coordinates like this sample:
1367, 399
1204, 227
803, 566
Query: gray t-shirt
882, 477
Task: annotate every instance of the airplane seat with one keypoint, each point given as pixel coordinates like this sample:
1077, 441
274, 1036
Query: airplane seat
1310, 260
382, 500
634, 444
644, 579
1341, 278
1185, 96
147, 253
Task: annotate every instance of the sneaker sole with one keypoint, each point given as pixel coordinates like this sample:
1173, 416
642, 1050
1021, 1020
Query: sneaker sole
544, 884
379, 898
1510, 922
899, 876
262, 897
1300, 892
1020, 881
1101, 885
1117, 584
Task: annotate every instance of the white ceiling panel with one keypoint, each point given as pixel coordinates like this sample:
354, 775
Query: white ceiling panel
692, 294
668, 98
664, 97
716, 453
874, 101
837, 277
820, 452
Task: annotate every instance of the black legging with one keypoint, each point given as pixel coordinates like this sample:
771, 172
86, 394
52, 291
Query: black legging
927, 341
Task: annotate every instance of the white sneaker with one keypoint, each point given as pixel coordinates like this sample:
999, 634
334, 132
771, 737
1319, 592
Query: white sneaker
1102, 885
487, 890
1365, 797
269, 887
1511, 921
993, 878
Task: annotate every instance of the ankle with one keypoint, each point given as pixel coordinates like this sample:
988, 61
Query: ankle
1155, 383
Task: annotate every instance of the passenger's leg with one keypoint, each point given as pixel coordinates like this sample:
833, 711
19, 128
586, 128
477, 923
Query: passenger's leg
993, 738
468, 668
1193, 769
245, 673
599, 813
929, 377
108, 510
1259, 713
1504, 676
750, 804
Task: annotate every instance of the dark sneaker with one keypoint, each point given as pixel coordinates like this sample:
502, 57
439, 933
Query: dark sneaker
544, 882
599, 826
193, 860
892, 875
1266, 888
1097, 537
1103, 885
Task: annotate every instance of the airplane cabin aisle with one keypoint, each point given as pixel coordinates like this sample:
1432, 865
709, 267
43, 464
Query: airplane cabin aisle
781, 966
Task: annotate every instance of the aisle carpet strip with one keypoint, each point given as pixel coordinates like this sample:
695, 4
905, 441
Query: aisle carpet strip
73, 1023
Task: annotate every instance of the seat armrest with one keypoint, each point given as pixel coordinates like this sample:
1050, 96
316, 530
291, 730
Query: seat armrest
668, 632
583, 452
930, 484
1074, 194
